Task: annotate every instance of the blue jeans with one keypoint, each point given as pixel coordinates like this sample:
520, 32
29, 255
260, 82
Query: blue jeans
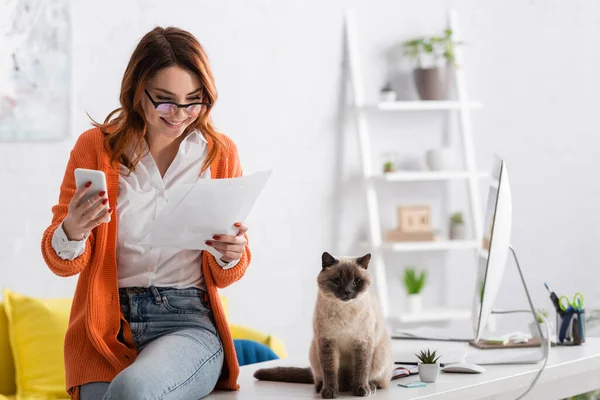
180, 353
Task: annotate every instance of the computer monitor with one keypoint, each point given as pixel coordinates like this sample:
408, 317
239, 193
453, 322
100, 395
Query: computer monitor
494, 247
492, 255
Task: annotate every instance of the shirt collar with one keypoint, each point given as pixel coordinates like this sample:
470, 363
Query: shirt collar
196, 137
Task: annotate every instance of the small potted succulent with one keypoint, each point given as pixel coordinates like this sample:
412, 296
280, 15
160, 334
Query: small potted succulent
389, 162
414, 284
458, 229
429, 368
533, 326
387, 93
388, 166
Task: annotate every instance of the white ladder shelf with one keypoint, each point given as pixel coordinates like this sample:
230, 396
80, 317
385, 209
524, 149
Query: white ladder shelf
462, 105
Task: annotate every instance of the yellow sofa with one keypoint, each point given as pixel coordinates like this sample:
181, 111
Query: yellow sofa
7, 367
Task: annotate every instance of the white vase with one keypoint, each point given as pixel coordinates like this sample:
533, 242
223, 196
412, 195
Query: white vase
414, 303
443, 159
458, 231
429, 372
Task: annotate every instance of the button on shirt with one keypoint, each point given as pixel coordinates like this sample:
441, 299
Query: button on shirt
142, 196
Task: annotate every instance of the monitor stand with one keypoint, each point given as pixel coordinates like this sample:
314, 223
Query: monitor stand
506, 355
514, 357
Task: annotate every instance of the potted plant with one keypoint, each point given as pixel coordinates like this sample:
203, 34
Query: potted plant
434, 57
458, 229
429, 369
389, 161
387, 93
533, 326
388, 166
414, 284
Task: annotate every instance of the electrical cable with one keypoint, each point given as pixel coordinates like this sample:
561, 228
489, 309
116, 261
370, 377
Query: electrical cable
546, 352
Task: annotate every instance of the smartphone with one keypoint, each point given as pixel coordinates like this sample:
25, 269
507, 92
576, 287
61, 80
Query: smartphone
98, 179
413, 384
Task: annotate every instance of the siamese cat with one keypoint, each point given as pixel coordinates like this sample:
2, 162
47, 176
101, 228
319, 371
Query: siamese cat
351, 349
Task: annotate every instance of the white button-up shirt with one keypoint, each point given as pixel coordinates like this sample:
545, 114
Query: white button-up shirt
142, 196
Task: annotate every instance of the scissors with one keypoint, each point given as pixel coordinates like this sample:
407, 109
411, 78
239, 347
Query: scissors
576, 304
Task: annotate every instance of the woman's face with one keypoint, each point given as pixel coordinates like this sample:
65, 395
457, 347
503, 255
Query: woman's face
175, 85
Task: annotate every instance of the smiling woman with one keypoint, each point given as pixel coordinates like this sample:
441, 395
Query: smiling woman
165, 93
160, 304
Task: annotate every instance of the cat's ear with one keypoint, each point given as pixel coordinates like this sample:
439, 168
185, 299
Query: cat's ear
364, 260
327, 260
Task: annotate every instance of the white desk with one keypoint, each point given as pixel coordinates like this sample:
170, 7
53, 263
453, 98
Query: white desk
570, 371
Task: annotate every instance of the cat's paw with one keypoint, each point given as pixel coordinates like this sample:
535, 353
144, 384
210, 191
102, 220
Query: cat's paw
373, 387
329, 393
318, 386
361, 390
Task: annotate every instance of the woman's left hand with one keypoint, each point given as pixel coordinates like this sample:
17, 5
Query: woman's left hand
231, 247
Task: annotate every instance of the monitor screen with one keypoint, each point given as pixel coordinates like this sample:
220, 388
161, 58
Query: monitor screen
486, 242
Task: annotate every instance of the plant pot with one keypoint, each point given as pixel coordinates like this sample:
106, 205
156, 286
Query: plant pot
414, 303
429, 372
458, 231
387, 95
443, 159
432, 83
388, 167
534, 332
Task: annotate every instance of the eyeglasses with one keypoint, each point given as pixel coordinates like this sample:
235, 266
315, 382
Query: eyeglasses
168, 108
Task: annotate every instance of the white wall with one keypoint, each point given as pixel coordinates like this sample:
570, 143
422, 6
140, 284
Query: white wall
278, 69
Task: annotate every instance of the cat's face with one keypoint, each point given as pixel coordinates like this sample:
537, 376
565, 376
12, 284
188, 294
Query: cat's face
344, 278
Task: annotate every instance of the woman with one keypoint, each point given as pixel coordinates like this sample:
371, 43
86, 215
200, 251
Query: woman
147, 322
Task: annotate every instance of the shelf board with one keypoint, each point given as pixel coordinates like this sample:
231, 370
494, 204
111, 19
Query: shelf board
433, 315
425, 176
438, 245
426, 105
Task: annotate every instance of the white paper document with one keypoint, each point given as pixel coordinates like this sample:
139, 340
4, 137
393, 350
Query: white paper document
194, 213
462, 333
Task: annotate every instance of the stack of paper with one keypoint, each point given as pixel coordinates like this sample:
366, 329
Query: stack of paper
194, 213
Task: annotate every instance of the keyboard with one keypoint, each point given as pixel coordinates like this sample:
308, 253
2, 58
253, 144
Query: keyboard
482, 357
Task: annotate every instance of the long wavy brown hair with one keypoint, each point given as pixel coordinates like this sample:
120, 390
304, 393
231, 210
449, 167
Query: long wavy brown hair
125, 127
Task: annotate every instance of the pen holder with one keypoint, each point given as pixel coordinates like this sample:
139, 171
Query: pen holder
570, 327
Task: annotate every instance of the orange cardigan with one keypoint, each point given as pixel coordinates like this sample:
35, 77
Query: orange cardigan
94, 351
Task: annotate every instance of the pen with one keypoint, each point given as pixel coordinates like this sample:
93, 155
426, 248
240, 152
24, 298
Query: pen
554, 299
442, 365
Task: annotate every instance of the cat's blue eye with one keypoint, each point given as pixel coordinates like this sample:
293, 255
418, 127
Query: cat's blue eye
337, 281
357, 281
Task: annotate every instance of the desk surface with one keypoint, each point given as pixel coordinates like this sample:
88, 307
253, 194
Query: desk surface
570, 371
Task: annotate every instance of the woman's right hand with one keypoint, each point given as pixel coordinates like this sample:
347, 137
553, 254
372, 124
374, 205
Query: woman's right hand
83, 215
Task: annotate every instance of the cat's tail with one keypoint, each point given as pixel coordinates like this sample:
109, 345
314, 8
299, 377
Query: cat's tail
285, 374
